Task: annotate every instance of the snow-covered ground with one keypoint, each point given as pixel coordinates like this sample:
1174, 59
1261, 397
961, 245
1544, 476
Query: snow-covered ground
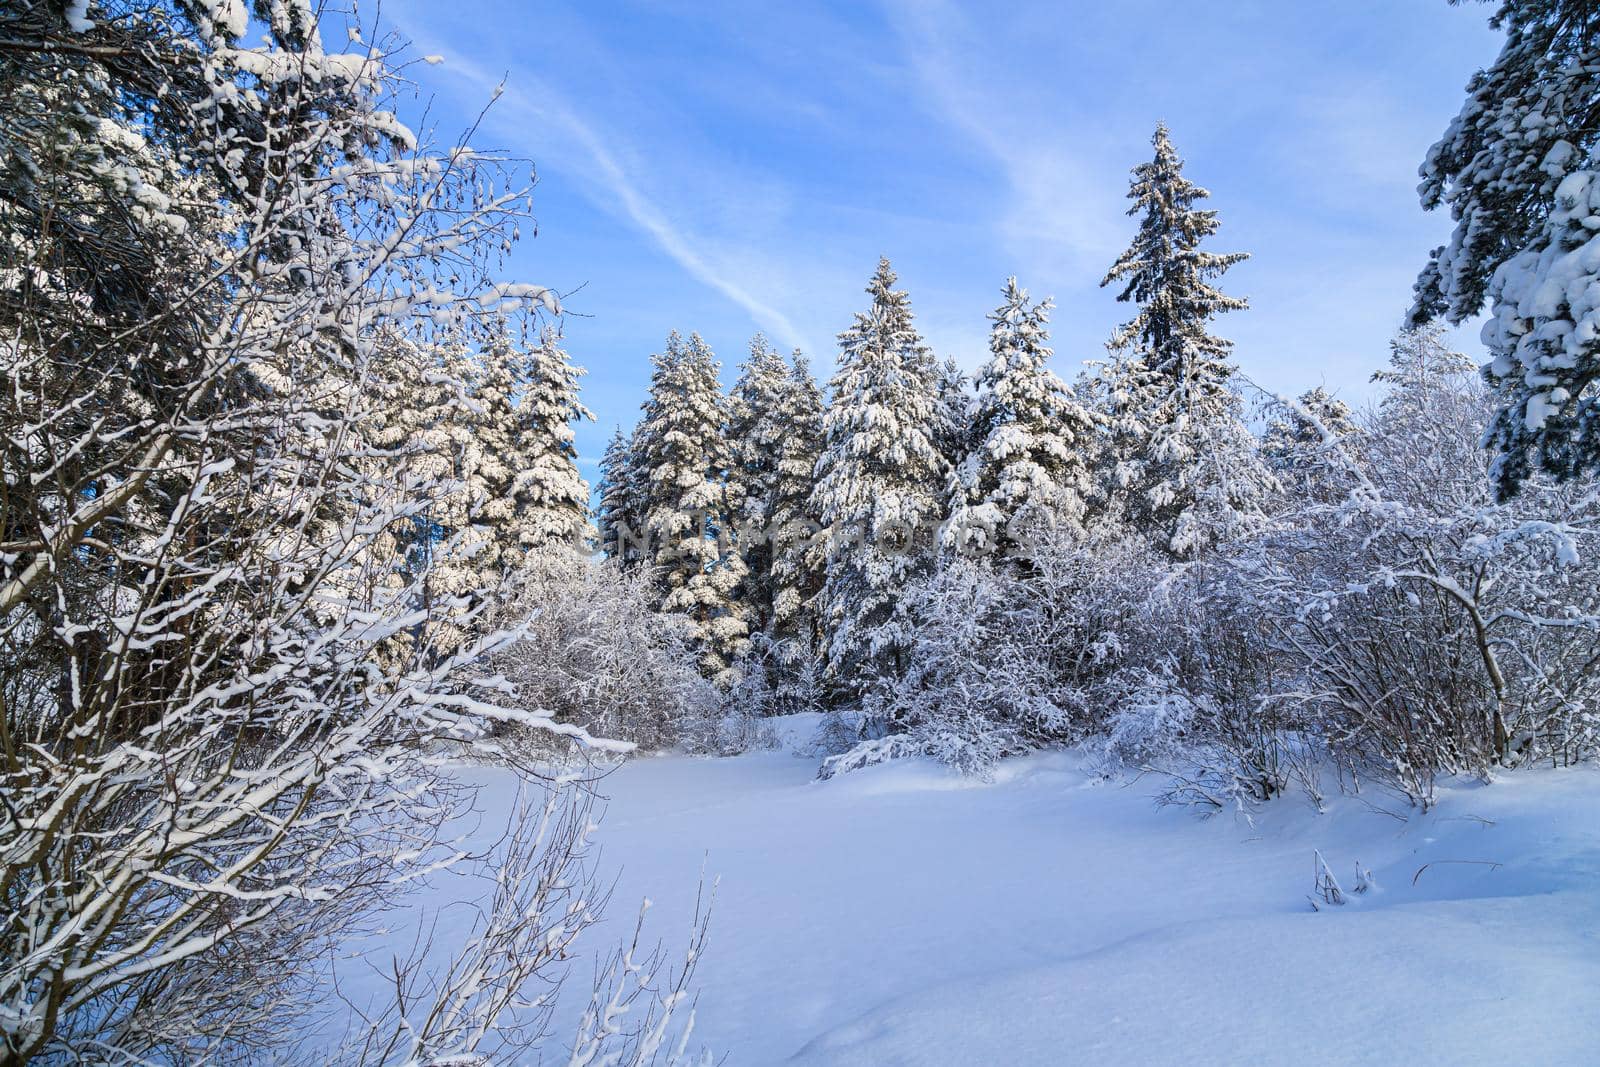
902, 915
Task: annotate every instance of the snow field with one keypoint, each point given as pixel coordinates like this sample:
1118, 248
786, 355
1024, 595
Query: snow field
904, 915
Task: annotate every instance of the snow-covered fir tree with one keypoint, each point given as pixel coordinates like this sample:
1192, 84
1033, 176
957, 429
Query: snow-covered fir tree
798, 556
756, 433
1544, 343
432, 422
880, 486
550, 497
1517, 168
1167, 274
637, 546
1525, 127
616, 517
955, 433
517, 462
1028, 470
1186, 467
680, 444
423, 423
496, 456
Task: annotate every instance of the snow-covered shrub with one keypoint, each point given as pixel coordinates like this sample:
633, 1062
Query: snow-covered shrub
593, 655
777, 677
975, 687
1197, 704
870, 753
1389, 614
1149, 726
972, 690
1098, 604
1011, 656
493, 1001
1162, 728
1422, 628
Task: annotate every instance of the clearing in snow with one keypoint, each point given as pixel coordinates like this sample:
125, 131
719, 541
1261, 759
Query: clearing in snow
905, 915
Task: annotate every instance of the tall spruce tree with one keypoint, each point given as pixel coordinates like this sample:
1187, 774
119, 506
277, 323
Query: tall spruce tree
437, 421
1186, 467
798, 557
497, 440
550, 497
756, 432
955, 432
615, 517
638, 546
1027, 473
1519, 171
425, 424
680, 444
880, 488
1168, 275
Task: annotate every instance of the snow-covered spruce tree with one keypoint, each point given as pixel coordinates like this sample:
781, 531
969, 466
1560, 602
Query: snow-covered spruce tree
756, 433
879, 490
1028, 470
486, 546
1186, 468
1168, 276
798, 555
421, 425
551, 499
625, 503
216, 755
511, 448
1545, 361
775, 428
1516, 168
451, 417
680, 444
955, 413
616, 517
454, 418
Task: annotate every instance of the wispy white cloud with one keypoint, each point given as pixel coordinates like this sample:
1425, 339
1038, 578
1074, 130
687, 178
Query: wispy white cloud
580, 145
1065, 203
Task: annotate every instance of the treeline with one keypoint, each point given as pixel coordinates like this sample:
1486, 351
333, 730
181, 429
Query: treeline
972, 569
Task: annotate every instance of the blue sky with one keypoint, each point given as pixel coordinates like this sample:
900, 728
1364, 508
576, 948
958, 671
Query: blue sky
731, 167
